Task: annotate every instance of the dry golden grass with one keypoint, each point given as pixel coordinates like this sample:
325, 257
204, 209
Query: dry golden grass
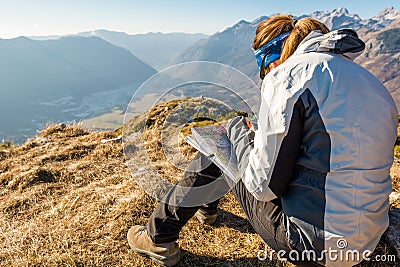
68, 199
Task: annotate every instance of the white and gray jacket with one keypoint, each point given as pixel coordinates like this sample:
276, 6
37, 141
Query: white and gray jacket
323, 112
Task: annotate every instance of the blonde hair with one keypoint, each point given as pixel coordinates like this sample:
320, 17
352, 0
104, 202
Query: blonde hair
274, 26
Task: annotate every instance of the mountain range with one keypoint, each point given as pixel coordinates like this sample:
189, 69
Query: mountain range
233, 45
154, 48
42, 81
55, 78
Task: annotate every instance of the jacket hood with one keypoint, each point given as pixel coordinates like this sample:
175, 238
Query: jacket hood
344, 42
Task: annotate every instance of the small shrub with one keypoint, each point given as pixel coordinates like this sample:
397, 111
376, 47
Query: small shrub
6, 144
397, 151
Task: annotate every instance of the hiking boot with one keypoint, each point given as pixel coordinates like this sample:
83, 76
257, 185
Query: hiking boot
166, 254
205, 218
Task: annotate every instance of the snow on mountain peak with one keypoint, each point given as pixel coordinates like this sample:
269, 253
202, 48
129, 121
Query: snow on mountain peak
336, 18
341, 10
389, 13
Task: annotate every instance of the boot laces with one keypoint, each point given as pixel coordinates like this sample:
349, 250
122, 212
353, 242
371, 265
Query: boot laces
141, 232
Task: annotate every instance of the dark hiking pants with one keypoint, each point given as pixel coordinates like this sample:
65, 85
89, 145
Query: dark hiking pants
267, 218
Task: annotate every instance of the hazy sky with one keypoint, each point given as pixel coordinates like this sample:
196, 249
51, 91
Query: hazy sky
53, 17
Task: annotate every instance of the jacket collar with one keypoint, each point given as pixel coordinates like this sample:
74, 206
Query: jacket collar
344, 42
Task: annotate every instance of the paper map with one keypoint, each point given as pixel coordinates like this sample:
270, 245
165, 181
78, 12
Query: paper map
213, 142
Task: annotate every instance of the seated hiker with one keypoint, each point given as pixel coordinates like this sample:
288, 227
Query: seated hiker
315, 174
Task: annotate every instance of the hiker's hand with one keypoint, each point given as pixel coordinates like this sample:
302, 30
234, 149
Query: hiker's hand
249, 124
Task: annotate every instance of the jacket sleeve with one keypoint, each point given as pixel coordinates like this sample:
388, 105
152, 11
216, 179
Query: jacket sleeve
267, 157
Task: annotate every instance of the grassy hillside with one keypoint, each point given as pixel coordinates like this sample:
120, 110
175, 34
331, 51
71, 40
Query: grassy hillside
68, 199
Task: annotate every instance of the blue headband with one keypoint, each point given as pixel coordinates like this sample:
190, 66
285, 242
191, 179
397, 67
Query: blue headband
271, 50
